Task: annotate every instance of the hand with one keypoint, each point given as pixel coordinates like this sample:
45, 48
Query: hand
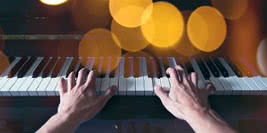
78, 99
184, 97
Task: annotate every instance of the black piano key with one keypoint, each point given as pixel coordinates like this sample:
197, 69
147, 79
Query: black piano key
49, 67
17, 67
26, 67
58, 67
234, 67
221, 67
72, 66
40, 67
212, 68
189, 67
11, 59
203, 69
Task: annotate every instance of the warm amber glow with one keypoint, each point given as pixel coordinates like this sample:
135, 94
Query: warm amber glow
4, 62
90, 14
165, 26
99, 43
184, 46
206, 28
128, 12
262, 57
53, 2
231, 9
131, 39
135, 55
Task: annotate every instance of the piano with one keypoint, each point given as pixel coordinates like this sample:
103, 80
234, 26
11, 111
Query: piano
39, 76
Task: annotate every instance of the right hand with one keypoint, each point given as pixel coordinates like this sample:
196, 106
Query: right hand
184, 97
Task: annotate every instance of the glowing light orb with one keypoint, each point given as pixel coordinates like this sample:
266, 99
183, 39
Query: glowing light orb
131, 39
262, 57
53, 2
184, 46
99, 43
4, 62
128, 12
206, 28
231, 9
165, 26
90, 14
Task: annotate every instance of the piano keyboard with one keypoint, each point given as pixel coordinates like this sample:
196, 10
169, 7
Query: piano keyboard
39, 76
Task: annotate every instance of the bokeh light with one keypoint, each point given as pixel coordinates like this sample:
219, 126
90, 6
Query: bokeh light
165, 26
2, 42
53, 2
99, 43
231, 9
128, 12
206, 28
262, 57
184, 46
90, 14
3, 62
131, 39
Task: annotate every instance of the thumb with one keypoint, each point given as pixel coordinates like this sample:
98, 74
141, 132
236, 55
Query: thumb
103, 99
210, 87
62, 87
164, 98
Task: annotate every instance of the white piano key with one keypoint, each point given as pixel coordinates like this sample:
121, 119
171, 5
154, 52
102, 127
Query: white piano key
218, 86
201, 83
155, 79
17, 89
4, 75
227, 87
53, 89
246, 89
164, 79
98, 79
258, 82
11, 81
254, 89
227, 67
105, 81
41, 90
140, 85
130, 81
122, 80
115, 80
236, 88
147, 80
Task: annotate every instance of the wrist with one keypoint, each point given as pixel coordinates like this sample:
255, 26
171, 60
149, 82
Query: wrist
68, 119
192, 115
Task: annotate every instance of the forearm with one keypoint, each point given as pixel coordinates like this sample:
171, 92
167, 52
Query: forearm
59, 123
208, 122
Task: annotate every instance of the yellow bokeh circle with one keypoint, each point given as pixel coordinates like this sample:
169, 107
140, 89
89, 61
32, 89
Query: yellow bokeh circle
130, 39
128, 12
53, 2
206, 28
99, 43
165, 26
231, 9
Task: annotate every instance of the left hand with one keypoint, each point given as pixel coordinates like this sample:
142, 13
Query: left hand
78, 99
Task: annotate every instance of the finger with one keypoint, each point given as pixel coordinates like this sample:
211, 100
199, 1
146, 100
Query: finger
173, 75
103, 99
163, 96
62, 87
210, 87
82, 76
180, 72
71, 81
90, 80
194, 78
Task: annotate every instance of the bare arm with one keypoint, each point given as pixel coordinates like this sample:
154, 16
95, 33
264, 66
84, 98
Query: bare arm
188, 102
78, 103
